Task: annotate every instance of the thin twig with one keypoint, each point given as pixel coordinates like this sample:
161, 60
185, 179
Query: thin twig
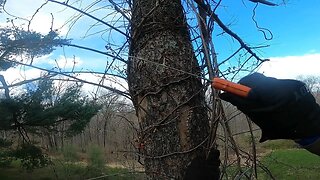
254, 151
228, 31
91, 16
119, 10
35, 13
95, 50
125, 94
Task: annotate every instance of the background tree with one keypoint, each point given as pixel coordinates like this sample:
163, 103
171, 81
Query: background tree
15, 42
40, 110
313, 83
43, 106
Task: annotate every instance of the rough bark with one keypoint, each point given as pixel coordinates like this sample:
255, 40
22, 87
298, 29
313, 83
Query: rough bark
170, 104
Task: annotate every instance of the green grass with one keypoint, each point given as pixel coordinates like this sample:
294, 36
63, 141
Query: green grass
68, 171
279, 144
292, 164
284, 164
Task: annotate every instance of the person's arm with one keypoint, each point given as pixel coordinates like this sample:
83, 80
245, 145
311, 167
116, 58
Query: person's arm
282, 108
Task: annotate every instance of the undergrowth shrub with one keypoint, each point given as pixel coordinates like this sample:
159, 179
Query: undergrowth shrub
69, 153
96, 159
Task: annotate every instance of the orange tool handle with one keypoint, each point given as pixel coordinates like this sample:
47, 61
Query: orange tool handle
231, 87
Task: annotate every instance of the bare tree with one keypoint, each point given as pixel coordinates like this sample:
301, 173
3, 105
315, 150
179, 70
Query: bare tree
312, 83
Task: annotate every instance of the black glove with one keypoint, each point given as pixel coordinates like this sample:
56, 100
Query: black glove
204, 168
282, 108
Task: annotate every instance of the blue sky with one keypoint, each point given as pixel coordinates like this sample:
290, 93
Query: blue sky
295, 26
294, 49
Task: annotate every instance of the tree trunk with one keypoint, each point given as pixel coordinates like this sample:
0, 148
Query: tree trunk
4, 134
169, 103
50, 142
105, 133
97, 131
62, 134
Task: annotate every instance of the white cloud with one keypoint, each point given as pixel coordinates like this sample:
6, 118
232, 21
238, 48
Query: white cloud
42, 20
110, 81
62, 62
292, 66
63, 17
18, 74
39, 60
42, 23
65, 63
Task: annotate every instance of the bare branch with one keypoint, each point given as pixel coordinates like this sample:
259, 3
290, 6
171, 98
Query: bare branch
25, 81
264, 2
93, 17
116, 7
35, 13
125, 94
228, 31
96, 51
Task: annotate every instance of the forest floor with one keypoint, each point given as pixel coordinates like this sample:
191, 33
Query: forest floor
283, 162
76, 171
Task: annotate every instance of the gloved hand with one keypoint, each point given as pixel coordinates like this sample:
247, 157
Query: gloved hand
282, 108
204, 168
